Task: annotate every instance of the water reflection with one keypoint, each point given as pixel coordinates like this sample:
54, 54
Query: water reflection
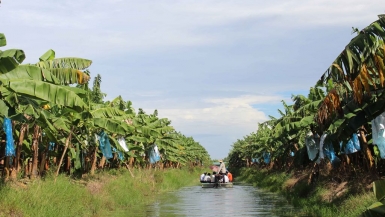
237, 201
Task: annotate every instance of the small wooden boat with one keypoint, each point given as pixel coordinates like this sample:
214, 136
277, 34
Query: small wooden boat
220, 185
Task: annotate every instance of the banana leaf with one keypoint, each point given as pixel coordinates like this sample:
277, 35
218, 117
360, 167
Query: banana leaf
3, 109
108, 112
30, 72
377, 209
49, 55
379, 190
3, 40
69, 76
138, 139
112, 126
66, 62
49, 92
10, 59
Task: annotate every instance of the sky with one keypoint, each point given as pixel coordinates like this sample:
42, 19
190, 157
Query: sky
215, 68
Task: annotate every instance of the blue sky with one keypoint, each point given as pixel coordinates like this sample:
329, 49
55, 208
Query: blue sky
214, 68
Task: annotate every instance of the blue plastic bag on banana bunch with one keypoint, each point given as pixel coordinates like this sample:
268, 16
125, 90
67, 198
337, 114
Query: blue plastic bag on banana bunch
378, 133
312, 145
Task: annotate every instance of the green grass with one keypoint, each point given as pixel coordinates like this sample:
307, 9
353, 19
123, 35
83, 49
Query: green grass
45, 198
310, 198
113, 193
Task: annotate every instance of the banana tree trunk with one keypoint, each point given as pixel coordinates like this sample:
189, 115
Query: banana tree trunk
54, 159
44, 159
13, 171
6, 169
94, 159
364, 145
102, 162
12, 164
68, 164
2, 155
19, 147
35, 150
28, 168
131, 160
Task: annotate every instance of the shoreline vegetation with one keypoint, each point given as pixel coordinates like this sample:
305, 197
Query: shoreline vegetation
327, 147
107, 193
325, 197
57, 127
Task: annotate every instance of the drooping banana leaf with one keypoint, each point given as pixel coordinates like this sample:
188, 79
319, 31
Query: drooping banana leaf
28, 109
356, 115
136, 148
44, 120
112, 126
116, 144
70, 76
108, 112
66, 62
166, 142
61, 123
359, 69
147, 131
29, 72
80, 92
10, 59
49, 92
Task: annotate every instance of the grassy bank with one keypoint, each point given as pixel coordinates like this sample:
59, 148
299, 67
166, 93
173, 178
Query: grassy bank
115, 193
320, 198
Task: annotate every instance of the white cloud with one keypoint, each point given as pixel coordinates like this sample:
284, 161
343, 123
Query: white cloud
220, 114
218, 122
121, 26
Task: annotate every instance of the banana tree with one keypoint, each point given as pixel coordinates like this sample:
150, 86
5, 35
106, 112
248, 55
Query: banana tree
26, 88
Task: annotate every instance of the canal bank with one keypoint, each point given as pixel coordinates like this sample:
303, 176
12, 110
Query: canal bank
321, 197
112, 193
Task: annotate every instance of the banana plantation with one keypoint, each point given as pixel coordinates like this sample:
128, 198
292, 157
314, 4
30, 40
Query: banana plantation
53, 121
338, 125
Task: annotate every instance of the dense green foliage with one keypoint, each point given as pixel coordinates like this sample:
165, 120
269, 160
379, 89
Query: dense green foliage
344, 101
55, 123
348, 96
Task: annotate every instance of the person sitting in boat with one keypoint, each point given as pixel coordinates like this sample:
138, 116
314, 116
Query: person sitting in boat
213, 176
202, 178
230, 176
226, 178
208, 178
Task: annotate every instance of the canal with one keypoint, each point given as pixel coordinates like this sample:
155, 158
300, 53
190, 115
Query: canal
241, 200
